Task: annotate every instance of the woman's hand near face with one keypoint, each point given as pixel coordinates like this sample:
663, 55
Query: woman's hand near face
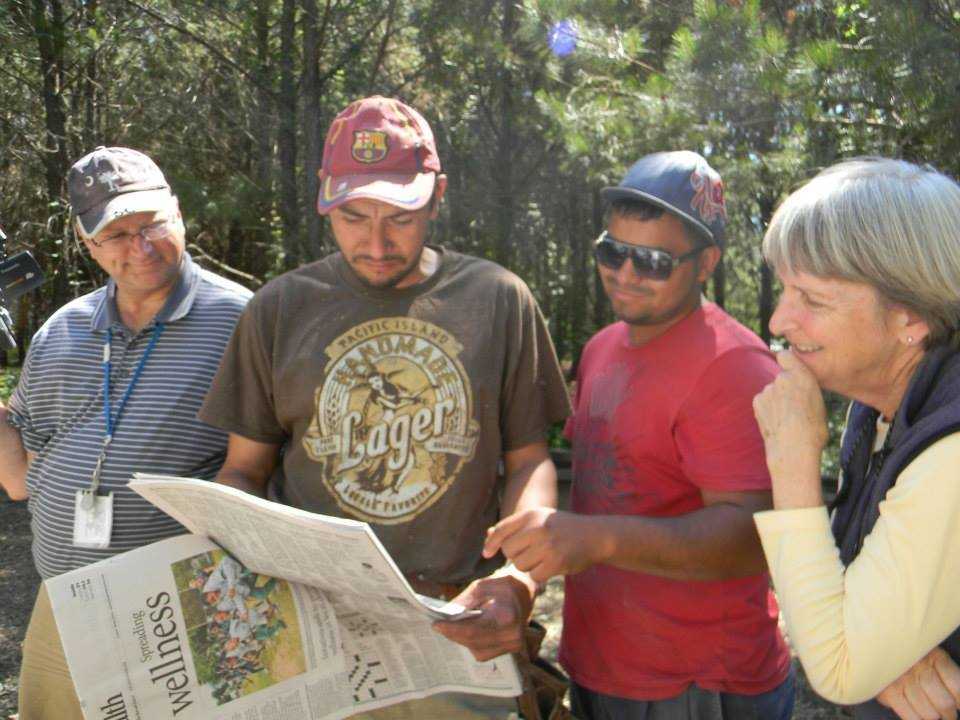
793, 423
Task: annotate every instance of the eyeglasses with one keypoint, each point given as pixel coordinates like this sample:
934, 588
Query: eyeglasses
647, 262
150, 233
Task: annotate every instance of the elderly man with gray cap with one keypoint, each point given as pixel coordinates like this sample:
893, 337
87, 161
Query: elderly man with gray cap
111, 385
667, 608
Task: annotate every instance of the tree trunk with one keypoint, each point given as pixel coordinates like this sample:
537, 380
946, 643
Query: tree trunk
579, 288
720, 283
263, 142
766, 301
766, 276
601, 305
313, 140
89, 134
287, 139
502, 173
50, 28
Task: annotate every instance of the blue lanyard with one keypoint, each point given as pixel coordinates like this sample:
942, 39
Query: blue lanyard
108, 417
109, 420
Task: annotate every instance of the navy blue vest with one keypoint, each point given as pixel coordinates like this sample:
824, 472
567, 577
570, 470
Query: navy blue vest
929, 411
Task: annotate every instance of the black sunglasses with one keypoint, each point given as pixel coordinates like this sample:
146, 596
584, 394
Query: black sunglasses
647, 262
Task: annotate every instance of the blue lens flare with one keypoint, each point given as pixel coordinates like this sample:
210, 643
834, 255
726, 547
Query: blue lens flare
562, 38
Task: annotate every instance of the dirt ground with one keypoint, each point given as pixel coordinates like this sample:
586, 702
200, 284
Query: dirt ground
19, 581
18, 588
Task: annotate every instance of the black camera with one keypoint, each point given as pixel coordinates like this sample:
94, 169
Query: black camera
19, 274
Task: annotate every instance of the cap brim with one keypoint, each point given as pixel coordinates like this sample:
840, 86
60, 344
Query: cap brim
407, 191
96, 219
612, 194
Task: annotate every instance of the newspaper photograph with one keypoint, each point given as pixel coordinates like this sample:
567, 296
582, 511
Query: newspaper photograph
343, 557
188, 628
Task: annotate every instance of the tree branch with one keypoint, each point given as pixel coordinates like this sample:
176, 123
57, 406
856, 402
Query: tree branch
216, 52
200, 252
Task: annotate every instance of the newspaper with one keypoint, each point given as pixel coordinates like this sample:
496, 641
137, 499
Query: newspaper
264, 611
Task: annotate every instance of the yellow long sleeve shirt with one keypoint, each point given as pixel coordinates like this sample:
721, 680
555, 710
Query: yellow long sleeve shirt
857, 630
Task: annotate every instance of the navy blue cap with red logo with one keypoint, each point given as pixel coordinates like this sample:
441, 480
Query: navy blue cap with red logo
682, 183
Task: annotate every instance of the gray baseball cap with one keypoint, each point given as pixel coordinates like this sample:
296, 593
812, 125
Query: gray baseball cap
682, 183
112, 182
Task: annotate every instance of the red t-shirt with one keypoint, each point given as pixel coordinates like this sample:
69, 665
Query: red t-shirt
653, 426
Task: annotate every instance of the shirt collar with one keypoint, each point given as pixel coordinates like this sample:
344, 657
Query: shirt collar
177, 305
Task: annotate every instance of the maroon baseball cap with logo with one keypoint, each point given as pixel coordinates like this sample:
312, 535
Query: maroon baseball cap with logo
379, 149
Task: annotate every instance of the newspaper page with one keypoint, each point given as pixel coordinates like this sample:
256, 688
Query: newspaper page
186, 629
342, 557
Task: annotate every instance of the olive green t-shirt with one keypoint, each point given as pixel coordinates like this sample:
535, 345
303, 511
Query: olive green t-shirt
394, 406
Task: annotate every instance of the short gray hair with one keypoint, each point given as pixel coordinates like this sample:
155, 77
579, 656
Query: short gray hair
887, 223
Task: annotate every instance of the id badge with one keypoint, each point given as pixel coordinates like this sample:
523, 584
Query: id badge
92, 519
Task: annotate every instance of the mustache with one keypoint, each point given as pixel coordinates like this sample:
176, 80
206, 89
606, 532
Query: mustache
385, 258
633, 289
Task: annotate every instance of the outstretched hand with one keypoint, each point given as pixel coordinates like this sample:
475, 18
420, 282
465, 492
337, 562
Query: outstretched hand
505, 605
545, 542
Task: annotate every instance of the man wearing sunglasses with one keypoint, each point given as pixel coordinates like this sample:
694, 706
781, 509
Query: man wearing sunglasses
111, 385
667, 608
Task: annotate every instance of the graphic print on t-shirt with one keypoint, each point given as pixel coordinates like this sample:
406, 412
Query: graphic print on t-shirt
599, 468
393, 418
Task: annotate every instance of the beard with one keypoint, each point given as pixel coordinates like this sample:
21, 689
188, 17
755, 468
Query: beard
644, 311
384, 282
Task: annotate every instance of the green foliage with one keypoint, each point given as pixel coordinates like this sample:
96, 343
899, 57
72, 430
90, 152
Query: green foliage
232, 100
836, 420
8, 382
823, 54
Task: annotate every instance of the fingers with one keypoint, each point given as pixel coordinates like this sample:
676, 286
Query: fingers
500, 532
793, 366
533, 562
920, 701
928, 691
893, 698
760, 402
788, 361
484, 637
498, 629
485, 645
793, 396
795, 374
512, 534
471, 597
939, 702
949, 674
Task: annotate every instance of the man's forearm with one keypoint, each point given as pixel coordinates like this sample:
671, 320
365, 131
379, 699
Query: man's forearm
506, 599
249, 464
530, 484
14, 461
237, 479
716, 542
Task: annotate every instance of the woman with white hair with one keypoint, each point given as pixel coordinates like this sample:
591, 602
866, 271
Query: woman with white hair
868, 253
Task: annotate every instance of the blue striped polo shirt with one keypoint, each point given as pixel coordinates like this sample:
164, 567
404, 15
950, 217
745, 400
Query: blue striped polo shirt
58, 408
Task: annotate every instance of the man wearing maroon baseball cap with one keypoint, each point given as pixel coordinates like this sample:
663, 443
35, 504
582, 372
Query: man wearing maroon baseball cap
379, 149
388, 381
